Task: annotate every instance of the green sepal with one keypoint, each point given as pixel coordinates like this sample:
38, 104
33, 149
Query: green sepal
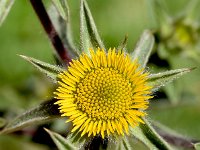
5, 6
89, 37
161, 79
50, 70
143, 48
40, 114
61, 142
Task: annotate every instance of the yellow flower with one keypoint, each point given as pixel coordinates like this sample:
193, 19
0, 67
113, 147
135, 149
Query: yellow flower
104, 93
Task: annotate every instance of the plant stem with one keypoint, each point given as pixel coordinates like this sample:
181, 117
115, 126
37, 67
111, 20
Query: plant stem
41, 12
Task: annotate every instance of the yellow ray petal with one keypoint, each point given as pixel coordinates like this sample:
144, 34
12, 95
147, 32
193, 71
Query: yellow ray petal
99, 126
94, 129
90, 127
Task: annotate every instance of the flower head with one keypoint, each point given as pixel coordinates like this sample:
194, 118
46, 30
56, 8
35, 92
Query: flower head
103, 93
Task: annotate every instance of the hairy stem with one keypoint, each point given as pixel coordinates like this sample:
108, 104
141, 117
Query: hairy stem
50, 30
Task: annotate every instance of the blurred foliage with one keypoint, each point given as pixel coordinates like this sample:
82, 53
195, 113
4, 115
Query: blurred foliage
177, 39
21, 86
9, 142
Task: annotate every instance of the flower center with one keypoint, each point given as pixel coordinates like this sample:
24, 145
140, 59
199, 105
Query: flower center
104, 94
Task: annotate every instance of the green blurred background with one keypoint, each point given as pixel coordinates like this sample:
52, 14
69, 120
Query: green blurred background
22, 86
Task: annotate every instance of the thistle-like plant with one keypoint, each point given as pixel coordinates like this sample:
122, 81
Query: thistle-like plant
102, 92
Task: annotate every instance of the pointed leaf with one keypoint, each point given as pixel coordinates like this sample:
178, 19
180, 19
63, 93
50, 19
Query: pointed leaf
61, 52
147, 135
38, 115
62, 22
172, 93
61, 142
5, 6
89, 36
85, 42
62, 7
50, 70
126, 144
161, 79
143, 48
153, 136
137, 132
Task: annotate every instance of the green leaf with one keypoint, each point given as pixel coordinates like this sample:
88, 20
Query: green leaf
89, 37
173, 93
153, 136
161, 79
143, 48
43, 113
50, 70
5, 6
62, 7
137, 132
126, 144
62, 23
197, 146
146, 134
189, 110
61, 142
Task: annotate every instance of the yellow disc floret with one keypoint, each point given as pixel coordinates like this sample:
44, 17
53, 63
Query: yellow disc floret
104, 93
